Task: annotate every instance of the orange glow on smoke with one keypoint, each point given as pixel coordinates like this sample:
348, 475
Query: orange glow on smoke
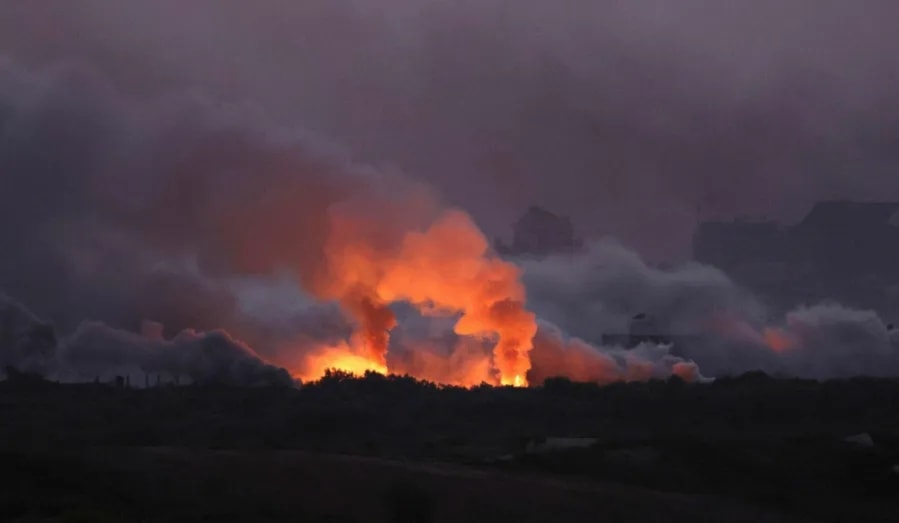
468, 364
444, 270
778, 339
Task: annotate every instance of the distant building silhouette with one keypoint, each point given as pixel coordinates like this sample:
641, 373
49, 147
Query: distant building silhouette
540, 233
842, 250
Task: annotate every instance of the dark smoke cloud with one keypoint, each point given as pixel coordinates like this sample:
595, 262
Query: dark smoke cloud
824, 341
555, 355
97, 351
716, 325
598, 291
139, 141
118, 209
598, 108
427, 346
172, 208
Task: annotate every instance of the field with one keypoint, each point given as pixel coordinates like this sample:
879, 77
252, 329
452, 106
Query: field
394, 449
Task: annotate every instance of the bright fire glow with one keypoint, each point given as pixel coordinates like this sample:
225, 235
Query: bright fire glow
342, 358
446, 269
464, 367
515, 381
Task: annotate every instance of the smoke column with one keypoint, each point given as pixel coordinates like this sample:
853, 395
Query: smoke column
130, 202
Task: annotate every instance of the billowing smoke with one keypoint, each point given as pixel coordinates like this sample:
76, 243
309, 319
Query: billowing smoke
439, 352
556, 355
823, 341
97, 351
636, 118
174, 208
710, 320
598, 291
154, 210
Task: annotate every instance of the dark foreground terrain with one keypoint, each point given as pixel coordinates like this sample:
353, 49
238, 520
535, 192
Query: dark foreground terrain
393, 449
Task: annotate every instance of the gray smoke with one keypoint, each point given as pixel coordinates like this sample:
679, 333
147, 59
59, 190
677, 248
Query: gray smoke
178, 210
823, 341
715, 324
118, 209
97, 351
598, 291
556, 355
699, 107
427, 346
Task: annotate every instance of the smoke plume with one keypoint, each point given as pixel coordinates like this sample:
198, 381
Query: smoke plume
132, 193
97, 351
637, 118
713, 323
598, 291
824, 341
557, 355
133, 206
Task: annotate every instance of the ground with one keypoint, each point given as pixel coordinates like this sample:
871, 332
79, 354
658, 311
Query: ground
177, 484
392, 450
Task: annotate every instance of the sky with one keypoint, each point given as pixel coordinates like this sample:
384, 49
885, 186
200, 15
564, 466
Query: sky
635, 118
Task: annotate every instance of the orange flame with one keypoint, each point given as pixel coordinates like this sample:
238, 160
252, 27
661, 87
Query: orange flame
342, 358
447, 269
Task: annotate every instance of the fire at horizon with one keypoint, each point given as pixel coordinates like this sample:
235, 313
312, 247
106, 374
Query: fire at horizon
445, 270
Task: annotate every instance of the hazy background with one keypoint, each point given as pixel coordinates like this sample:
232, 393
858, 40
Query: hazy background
632, 117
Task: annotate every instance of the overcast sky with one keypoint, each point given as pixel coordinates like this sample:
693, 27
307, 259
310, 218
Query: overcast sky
629, 116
